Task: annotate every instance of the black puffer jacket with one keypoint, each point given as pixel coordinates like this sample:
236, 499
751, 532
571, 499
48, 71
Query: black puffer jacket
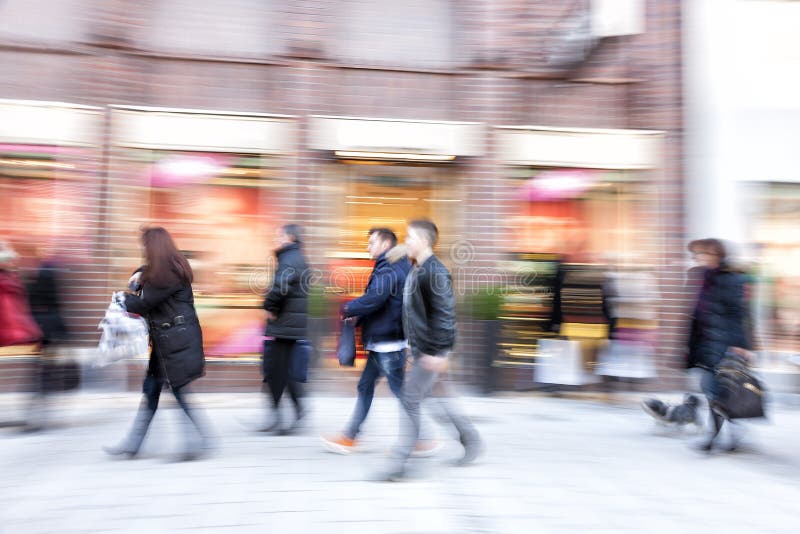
177, 348
429, 311
288, 298
719, 319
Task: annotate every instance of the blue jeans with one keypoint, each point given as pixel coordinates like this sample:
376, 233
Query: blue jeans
392, 365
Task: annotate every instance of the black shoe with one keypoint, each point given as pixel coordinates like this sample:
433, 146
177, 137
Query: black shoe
190, 456
705, 446
273, 427
656, 408
121, 451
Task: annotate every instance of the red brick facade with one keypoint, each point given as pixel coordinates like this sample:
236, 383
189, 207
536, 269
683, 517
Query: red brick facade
496, 74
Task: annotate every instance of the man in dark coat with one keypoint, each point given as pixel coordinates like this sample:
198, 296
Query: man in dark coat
379, 312
286, 304
429, 322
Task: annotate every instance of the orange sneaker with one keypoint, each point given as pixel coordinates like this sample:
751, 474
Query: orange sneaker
339, 444
426, 447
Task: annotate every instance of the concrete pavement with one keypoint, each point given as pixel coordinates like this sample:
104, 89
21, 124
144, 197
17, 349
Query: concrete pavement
551, 465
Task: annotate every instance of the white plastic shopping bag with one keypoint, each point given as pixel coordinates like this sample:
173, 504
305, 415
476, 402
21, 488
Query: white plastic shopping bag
560, 361
124, 336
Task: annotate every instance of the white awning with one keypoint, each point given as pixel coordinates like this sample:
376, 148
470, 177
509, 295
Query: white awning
393, 139
49, 123
211, 131
579, 147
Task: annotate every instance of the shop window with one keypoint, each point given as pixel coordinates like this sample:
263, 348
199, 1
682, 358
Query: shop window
43, 192
582, 260
25, 21
222, 210
417, 33
775, 300
231, 28
369, 194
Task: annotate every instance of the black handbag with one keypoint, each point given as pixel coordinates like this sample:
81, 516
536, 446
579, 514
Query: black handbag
739, 395
346, 350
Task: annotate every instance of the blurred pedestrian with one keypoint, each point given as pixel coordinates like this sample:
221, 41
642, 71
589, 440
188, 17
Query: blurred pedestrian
379, 311
44, 293
165, 299
686, 412
429, 322
17, 326
286, 304
719, 324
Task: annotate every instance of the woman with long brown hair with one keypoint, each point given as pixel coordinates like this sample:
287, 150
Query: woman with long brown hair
162, 294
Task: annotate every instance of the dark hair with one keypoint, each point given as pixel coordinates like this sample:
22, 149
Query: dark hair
294, 231
697, 245
709, 246
384, 234
427, 228
716, 247
165, 265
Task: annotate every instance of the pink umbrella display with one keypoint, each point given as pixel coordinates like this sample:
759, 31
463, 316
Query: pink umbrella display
182, 169
557, 184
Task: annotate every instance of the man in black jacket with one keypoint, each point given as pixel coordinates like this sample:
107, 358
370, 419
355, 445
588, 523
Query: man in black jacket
379, 312
429, 322
287, 313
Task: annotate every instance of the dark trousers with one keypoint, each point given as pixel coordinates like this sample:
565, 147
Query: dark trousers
147, 409
392, 365
710, 386
278, 378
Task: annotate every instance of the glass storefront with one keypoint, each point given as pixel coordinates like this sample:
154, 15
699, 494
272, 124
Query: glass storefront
44, 188
368, 194
584, 254
775, 241
223, 210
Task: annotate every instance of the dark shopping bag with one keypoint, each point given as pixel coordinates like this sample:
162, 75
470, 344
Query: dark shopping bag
346, 350
739, 395
298, 361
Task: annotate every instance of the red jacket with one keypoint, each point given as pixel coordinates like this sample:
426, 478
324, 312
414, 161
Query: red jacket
17, 326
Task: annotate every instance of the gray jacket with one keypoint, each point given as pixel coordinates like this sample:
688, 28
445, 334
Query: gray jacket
429, 314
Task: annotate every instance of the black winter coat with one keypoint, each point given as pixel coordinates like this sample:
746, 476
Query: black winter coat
380, 308
719, 319
288, 297
45, 302
177, 344
429, 311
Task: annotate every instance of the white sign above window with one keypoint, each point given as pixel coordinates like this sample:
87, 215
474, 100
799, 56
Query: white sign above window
612, 18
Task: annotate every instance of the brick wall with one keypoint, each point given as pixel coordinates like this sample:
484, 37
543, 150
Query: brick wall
499, 75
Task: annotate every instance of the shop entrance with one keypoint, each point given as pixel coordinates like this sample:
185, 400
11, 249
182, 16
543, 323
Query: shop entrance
372, 194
